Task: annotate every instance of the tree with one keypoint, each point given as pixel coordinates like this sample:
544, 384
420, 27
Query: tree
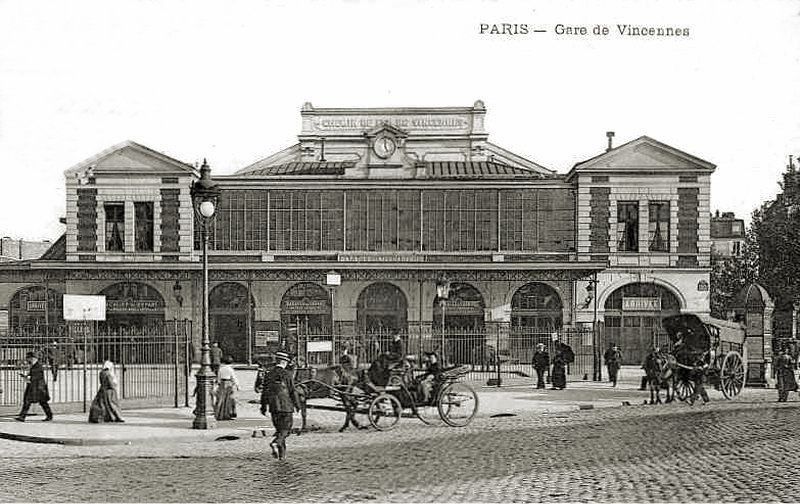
729, 275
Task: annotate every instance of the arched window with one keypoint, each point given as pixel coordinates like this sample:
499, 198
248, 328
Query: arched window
536, 307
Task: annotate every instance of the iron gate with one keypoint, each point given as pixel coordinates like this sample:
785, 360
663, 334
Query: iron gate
152, 364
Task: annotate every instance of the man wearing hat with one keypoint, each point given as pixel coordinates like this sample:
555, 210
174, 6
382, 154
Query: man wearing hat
35, 390
613, 359
541, 361
279, 395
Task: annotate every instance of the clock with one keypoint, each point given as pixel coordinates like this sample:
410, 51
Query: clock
384, 146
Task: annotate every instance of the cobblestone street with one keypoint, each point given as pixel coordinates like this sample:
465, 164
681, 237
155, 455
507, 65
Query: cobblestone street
722, 452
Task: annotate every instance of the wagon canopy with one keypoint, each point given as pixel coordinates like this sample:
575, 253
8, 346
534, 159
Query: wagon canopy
696, 334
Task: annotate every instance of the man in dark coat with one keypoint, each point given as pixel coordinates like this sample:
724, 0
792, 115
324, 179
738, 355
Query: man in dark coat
35, 390
541, 360
279, 395
698, 374
613, 359
784, 372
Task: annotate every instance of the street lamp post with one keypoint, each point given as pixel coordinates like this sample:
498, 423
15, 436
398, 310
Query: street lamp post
333, 280
443, 293
591, 297
204, 194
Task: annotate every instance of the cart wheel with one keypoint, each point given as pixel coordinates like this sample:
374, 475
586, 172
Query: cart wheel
731, 375
384, 412
684, 389
458, 404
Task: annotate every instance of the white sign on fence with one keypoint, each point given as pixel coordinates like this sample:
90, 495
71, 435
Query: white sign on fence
319, 346
79, 307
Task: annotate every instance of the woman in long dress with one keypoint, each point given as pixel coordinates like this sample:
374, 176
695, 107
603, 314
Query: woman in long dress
105, 407
227, 385
784, 371
559, 374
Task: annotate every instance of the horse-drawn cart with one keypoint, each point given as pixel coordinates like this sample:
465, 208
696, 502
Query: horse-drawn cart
406, 393
715, 344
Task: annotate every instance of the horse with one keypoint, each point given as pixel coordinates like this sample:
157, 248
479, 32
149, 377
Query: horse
660, 368
318, 384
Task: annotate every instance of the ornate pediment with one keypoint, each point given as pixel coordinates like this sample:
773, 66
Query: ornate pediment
644, 155
131, 157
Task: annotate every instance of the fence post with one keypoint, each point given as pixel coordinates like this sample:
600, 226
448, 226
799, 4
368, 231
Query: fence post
177, 363
187, 335
85, 364
497, 355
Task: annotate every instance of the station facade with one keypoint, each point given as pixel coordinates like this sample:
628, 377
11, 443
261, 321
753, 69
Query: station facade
392, 203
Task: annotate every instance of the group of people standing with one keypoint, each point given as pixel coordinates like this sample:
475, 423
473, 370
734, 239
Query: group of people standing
558, 374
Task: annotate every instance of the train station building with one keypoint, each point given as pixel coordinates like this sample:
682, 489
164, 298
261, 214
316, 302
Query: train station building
356, 230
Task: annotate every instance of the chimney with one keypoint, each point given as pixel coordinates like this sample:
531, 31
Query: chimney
610, 135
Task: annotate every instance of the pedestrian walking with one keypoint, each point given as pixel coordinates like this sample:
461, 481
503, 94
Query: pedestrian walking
697, 375
216, 357
35, 390
541, 361
227, 385
105, 406
613, 360
280, 398
784, 372
559, 373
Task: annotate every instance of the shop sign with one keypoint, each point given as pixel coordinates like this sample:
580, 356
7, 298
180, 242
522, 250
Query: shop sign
262, 338
463, 307
408, 122
37, 306
133, 305
380, 258
319, 346
641, 304
302, 306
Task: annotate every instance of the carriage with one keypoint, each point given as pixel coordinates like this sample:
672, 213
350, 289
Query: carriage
447, 398
715, 343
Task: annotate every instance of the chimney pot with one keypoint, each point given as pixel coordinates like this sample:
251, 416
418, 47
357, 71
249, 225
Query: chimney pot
610, 135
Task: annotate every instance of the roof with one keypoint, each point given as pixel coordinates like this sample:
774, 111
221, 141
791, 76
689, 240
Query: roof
301, 168
129, 156
644, 153
433, 169
57, 251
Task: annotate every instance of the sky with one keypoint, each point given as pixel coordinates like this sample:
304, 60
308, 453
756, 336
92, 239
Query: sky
226, 80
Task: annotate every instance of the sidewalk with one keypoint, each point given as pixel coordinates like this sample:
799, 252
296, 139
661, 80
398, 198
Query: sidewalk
173, 425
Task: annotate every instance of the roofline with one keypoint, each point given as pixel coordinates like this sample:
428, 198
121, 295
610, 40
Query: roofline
181, 166
577, 166
510, 154
388, 110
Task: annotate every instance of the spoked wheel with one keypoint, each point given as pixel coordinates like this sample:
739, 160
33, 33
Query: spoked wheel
683, 389
458, 404
731, 375
428, 413
384, 412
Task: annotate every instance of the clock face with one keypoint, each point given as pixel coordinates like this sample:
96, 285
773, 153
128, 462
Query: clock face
384, 146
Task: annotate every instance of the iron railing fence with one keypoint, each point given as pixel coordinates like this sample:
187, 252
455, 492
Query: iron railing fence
490, 353
152, 364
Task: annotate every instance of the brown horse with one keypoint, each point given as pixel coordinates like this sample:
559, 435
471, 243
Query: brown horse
323, 383
659, 368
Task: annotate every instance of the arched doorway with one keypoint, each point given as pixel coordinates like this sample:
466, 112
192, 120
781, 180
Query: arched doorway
462, 317
132, 305
35, 307
633, 315
382, 308
305, 313
230, 315
536, 307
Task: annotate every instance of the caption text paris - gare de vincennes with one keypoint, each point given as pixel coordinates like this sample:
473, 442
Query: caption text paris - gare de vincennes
590, 30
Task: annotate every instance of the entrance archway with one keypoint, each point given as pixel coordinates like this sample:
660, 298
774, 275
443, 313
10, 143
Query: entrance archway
536, 307
230, 312
305, 312
382, 308
462, 317
34, 307
633, 315
132, 305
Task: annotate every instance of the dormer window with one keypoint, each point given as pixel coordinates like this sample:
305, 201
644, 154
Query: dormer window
115, 227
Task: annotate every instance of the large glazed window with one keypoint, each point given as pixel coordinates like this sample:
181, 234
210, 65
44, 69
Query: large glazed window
115, 227
628, 226
659, 226
143, 232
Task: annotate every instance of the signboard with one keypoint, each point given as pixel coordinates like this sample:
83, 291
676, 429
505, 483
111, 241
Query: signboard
333, 279
262, 338
78, 307
37, 306
133, 305
319, 346
641, 304
463, 307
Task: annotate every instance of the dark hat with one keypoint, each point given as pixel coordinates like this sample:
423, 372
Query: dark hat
283, 356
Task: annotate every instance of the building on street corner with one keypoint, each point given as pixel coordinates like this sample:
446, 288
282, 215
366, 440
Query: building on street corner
382, 221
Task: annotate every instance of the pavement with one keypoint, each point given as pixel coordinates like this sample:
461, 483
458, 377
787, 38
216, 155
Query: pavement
173, 425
